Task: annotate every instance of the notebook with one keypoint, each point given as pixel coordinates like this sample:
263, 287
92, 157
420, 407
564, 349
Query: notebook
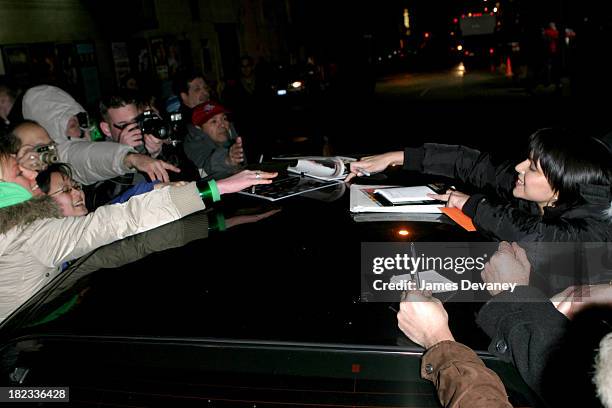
287, 187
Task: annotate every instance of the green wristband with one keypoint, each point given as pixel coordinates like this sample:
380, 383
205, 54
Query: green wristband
216, 196
209, 193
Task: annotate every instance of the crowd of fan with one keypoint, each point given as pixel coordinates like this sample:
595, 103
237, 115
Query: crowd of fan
71, 183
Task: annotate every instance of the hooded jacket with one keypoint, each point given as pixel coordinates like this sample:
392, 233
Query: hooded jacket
52, 108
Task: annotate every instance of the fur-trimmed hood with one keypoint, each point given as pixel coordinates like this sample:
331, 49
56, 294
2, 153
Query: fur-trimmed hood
52, 108
23, 214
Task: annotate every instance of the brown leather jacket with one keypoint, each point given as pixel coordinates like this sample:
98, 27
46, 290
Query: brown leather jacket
461, 378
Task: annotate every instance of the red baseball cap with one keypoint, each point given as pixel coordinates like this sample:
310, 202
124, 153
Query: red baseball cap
204, 112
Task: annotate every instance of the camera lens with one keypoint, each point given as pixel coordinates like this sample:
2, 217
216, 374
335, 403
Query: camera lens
152, 124
48, 157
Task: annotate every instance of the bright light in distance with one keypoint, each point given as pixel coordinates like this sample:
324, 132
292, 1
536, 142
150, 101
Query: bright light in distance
281, 92
296, 84
495, 9
403, 232
460, 70
491, 51
459, 47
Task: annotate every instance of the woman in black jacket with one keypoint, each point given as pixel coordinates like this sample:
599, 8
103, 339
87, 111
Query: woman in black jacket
560, 193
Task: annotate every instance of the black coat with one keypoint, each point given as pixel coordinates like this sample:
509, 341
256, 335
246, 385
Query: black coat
498, 214
553, 355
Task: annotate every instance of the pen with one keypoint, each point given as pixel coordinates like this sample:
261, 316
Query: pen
364, 172
260, 161
416, 275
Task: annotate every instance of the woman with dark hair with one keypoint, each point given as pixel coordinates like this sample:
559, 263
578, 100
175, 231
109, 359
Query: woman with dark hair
57, 182
561, 192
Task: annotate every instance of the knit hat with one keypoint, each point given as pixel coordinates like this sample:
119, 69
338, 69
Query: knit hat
205, 112
12, 193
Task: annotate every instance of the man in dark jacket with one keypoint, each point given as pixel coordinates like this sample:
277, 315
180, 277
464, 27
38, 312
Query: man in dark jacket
553, 354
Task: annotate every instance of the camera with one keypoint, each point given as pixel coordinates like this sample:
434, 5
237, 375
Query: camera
177, 127
47, 154
151, 123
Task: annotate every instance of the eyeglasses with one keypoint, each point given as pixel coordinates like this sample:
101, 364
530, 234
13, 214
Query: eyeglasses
67, 189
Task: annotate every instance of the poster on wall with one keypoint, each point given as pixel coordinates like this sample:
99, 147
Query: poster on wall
16, 62
140, 59
2, 70
88, 71
121, 61
43, 65
67, 66
160, 58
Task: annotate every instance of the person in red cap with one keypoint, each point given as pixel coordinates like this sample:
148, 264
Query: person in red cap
213, 149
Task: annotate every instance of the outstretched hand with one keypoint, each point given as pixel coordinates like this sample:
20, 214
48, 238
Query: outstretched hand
244, 179
155, 169
374, 164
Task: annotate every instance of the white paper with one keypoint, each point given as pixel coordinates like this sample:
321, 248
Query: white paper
360, 202
406, 194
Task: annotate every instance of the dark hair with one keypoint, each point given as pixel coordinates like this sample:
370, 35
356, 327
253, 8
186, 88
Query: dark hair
12, 141
568, 162
8, 90
118, 100
180, 82
43, 179
9, 143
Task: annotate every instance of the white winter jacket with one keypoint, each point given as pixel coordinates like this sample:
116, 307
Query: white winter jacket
32, 256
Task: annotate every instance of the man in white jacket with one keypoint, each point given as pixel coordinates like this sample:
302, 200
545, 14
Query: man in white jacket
56, 111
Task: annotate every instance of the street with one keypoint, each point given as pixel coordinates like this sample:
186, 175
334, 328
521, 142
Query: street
483, 109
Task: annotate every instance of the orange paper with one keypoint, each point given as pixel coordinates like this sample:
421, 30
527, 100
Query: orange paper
460, 218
